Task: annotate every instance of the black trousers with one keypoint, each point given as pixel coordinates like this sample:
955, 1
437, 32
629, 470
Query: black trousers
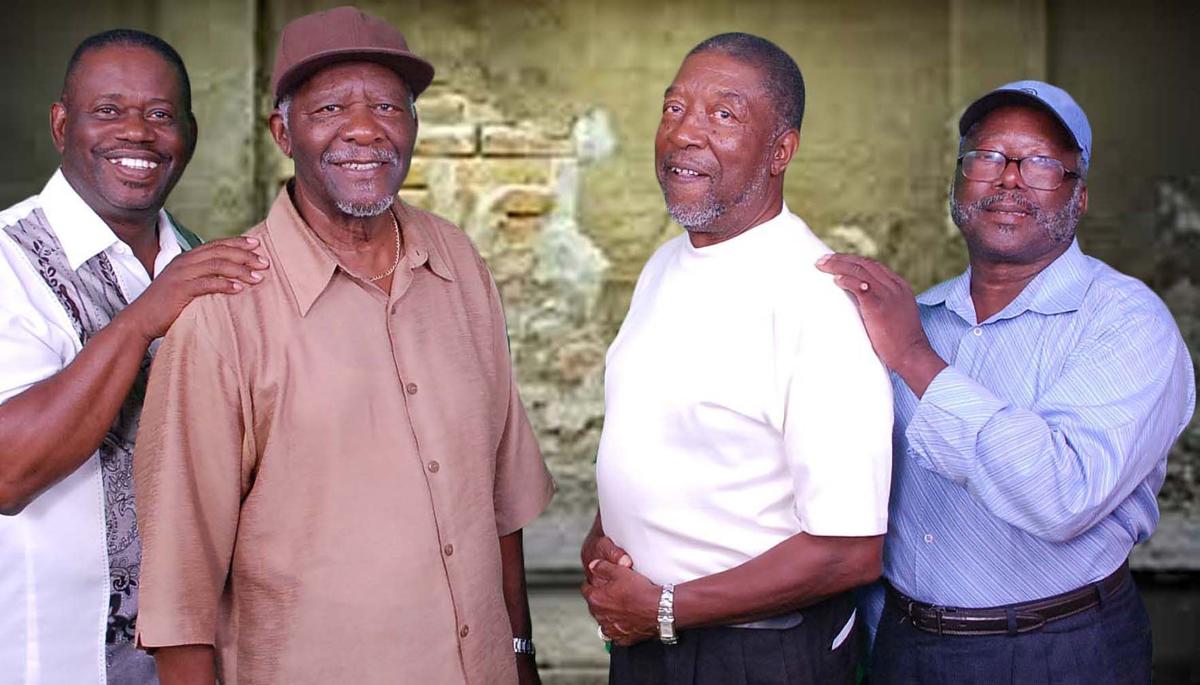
1108, 644
801, 655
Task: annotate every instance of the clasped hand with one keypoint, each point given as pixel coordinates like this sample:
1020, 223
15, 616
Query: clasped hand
623, 601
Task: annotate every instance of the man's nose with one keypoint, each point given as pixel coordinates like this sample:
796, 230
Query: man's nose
135, 128
687, 131
362, 126
1011, 176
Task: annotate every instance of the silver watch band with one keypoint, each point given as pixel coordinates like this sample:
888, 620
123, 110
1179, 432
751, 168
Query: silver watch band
523, 645
666, 615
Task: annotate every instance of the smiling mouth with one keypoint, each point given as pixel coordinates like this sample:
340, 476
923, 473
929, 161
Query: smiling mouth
133, 163
1016, 211
360, 166
683, 173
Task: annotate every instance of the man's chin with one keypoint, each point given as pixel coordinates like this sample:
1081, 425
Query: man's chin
365, 207
694, 218
136, 203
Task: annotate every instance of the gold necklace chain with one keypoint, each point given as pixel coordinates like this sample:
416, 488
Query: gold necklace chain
396, 262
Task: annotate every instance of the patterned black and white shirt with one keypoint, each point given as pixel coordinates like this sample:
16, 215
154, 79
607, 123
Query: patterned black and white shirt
64, 275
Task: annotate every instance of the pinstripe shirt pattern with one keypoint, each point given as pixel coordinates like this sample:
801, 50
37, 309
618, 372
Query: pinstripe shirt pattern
1032, 464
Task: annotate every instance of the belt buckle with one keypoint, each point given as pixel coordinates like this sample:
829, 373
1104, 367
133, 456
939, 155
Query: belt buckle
941, 613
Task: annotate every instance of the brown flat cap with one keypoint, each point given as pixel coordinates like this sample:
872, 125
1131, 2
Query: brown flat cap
343, 34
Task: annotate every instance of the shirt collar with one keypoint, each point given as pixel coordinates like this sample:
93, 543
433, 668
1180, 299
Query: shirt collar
310, 265
1057, 289
81, 232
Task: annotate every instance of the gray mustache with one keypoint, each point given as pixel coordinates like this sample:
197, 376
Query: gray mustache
366, 155
1008, 197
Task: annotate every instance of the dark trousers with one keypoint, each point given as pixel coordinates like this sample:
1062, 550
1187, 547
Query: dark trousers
801, 655
1107, 644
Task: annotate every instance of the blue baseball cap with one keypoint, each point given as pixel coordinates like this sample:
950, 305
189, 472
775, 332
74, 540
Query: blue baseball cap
1050, 98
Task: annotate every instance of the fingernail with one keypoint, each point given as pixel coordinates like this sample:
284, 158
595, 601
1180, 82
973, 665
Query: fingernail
254, 275
626, 561
237, 286
822, 259
592, 564
252, 241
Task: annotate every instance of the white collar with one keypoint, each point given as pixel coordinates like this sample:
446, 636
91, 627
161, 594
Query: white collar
80, 231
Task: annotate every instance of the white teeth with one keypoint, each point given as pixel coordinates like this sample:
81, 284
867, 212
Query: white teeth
132, 163
362, 167
683, 172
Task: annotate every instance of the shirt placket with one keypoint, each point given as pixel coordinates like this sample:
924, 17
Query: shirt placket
434, 470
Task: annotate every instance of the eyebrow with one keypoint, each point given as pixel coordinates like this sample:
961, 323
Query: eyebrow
119, 96
730, 94
733, 95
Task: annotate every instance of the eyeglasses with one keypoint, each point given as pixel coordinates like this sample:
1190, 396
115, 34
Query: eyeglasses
1040, 173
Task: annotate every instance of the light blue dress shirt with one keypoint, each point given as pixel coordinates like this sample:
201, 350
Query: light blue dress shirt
1031, 465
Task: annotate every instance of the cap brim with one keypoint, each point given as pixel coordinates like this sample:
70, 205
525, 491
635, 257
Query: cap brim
999, 98
416, 72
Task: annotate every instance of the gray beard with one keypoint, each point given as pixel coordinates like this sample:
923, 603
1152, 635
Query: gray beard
699, 219
363, 210
1059, 226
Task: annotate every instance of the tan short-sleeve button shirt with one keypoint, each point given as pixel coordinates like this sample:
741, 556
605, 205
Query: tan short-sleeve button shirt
324, 469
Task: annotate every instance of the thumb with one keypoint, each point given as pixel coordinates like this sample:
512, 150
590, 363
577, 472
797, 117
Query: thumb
602, 569
612, 553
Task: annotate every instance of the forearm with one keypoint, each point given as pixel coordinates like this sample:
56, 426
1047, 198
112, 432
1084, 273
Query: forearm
516, 599
1049, 479
186, 665
51, 428
800, 571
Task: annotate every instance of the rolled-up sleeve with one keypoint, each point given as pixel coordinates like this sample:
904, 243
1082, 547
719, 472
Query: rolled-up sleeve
189, 481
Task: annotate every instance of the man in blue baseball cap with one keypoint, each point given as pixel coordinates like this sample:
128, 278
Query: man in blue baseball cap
1037, 396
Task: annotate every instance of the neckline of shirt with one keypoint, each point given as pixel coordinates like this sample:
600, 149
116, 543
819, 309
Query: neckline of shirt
81, 231
742, 242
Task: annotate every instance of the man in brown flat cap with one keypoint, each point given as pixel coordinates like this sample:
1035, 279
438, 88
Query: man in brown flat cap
335, 468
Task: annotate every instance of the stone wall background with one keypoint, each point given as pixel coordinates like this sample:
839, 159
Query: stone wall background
536, 138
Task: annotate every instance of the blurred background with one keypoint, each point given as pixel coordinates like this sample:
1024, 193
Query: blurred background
536, 138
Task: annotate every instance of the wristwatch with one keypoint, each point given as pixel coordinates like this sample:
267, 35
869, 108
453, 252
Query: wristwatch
523, 645
666, 615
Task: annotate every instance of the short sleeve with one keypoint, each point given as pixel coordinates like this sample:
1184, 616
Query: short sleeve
838, 420
189, 482
523, 486
28, 349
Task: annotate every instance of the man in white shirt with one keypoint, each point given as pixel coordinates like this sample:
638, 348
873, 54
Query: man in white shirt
745, 461
92, 270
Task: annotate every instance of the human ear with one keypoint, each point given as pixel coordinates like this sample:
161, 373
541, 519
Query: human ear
279, 131
783, 149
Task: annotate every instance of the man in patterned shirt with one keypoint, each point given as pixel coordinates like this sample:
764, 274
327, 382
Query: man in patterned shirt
1037, 396
88, 279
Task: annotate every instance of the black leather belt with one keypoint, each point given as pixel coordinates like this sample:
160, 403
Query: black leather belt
1007, 620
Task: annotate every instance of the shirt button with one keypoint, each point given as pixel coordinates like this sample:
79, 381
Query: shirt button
464, 631
928, 538
433, 467
449, 550
411, 388
122, 249
978, 332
